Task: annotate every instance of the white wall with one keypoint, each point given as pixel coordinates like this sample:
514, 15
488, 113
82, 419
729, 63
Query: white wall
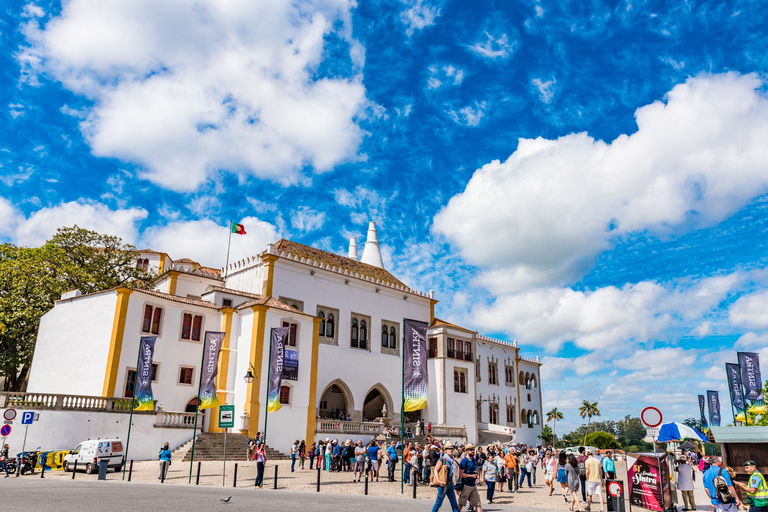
73, 346
190, 284
63, 430
526, 434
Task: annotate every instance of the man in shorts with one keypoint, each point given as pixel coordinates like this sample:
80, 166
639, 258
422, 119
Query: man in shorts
373, 459
359, 461
594, 480
468, 476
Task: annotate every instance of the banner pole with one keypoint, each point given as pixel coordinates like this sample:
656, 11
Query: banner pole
229, 242
197, 408
133, 397
402, 411
269, 371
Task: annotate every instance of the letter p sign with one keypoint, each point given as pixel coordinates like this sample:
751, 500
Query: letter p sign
27, 417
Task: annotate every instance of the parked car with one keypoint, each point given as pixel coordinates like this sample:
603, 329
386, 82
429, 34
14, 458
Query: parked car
89, 453
575, 450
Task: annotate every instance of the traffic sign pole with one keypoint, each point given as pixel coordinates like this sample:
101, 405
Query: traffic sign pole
23, 445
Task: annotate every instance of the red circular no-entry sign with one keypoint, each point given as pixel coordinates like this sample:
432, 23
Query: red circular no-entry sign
614, 489
9, 414
651, 417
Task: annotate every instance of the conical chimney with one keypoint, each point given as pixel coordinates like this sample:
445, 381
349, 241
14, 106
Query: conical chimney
371, 252
353, 248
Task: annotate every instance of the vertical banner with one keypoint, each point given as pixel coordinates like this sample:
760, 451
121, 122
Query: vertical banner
737, 395
416, 378
749, 362
648, 477
142, 390
276, 362
713, 399
702, 404
211, 349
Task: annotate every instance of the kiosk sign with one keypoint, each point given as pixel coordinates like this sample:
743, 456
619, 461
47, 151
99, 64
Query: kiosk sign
648, 477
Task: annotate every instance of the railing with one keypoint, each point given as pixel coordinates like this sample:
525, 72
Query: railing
178, 420
66, 402
442, 431
349, 427
468, 356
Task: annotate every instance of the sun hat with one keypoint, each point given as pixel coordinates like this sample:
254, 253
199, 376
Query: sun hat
469, 446
448, 445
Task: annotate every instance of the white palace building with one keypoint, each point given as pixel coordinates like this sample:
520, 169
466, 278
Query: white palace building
345, 316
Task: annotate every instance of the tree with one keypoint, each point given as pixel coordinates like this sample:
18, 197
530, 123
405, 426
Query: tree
588, 409
694, 423
602, 440
546, 434
31, 279
554, 415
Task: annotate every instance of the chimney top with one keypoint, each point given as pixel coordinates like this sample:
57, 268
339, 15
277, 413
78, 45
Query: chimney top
371, 252
353, 248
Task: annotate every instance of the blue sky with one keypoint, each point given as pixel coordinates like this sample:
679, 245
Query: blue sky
587, 178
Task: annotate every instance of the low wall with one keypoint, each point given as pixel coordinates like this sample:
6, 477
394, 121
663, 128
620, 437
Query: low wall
63, 430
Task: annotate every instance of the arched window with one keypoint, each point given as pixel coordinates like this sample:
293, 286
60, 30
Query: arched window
145, 265
536, 418
353, 333
521, 378
533, 381
384, 336
329, 326
363, 334
321, 316
523, 417
392, 338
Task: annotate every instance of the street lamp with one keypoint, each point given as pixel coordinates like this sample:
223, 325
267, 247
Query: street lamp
249, 376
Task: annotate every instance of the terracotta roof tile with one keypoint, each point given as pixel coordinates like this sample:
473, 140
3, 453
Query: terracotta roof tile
176, 298
273, 303
230, 291
442, 323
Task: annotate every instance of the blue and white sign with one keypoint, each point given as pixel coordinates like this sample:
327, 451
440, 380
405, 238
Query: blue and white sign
27, 417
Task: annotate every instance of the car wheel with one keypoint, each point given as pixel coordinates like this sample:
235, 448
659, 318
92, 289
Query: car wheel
89, 469
66, 467
117, 469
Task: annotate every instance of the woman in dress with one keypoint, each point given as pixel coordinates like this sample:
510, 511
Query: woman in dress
562, 474
573, 482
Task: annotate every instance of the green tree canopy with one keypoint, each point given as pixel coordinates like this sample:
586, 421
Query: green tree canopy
31, 279
603, 441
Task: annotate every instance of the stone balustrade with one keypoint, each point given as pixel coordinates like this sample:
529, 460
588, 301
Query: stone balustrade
376, 428
178, 420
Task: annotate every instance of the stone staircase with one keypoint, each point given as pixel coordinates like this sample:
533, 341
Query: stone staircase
210, 446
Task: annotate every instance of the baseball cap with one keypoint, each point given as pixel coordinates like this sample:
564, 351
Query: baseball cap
750, 463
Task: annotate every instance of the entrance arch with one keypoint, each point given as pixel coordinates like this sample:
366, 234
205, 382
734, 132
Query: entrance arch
375, 399
336, 399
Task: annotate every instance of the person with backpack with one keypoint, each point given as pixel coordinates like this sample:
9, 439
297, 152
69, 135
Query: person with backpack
574, 480
444, 478
756, 489
719, 487
582, 467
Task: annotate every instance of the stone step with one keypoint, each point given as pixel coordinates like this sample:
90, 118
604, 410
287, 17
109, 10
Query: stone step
210, 446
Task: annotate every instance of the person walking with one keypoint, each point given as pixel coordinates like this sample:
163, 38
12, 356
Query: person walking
550, 470
294, 454
721, 493
302, 453
359, 461
594, 480
512, 469
685, 479
468, 472
391, 461
501, 470
609, 467
488, 475
261, 459
562, 474
526, 468
165, 461
312, 450
4, 459
574, 480
581, 460
534, 456
446, 489
756, 489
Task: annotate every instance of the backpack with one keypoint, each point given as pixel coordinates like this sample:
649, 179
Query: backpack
724, 495
582, 469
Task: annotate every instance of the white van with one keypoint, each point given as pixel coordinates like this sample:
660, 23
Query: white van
89, 453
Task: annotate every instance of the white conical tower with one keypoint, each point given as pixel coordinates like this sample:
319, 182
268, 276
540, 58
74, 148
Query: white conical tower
353, 248
371, 252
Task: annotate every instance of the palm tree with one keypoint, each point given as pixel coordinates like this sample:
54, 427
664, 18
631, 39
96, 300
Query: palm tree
587, 410
554, 415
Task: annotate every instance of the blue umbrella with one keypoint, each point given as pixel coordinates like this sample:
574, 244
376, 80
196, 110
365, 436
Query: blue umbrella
674, 431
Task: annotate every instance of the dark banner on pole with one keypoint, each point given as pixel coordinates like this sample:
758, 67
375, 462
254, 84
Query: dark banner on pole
211, 349
713, 399
276, 363
749, 362
291, 365
704, 423
416, 379
143, 387
648, 477
737, 395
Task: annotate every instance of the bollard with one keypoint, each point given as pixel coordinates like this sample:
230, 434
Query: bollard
234, 483
130, 470
366, 484
74, 470
42, 473
275, 477
318, 478
414, 485
162, 478
197, 478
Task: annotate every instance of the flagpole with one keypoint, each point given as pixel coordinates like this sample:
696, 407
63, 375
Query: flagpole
269, 371
402, 411
197, 408
130, 418
229, 243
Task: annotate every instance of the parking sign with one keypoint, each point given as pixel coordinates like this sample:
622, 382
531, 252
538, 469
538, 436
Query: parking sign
27, 417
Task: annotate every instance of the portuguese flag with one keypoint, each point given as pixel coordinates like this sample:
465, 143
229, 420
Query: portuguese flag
238, 229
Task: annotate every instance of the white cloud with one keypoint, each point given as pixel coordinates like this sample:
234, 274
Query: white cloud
306, 219
205, 241
184, 89
750, 311
543, 216
546, 89
703, 329
752, 341
9, 218
469, 115
43, 223
446, 74
657, 363
418, 16
261, 206
494, 46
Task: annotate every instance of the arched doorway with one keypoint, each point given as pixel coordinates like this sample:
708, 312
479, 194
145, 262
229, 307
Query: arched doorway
336, 401
191, 405
374, 402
